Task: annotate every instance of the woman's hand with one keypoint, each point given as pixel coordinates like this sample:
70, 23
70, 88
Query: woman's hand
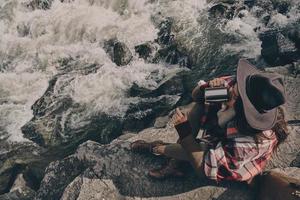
179, 117
217, 82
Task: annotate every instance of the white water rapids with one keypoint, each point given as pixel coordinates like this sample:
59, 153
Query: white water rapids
34, 40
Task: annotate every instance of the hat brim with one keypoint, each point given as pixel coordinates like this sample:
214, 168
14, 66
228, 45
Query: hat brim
259, 121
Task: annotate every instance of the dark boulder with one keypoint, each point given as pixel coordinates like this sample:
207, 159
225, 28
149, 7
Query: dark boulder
282, 6
19, 191
39, 4
293, 33
145, 50
165, 35
143, 114
222, 11
118, 52
277, 49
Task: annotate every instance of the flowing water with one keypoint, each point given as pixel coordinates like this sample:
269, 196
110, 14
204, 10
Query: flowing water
37, 36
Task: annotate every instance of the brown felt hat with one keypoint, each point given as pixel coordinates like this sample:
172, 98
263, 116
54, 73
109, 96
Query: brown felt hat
261, 93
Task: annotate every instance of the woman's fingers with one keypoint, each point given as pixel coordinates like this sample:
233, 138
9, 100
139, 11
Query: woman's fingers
178, 112
178, 117
217, 82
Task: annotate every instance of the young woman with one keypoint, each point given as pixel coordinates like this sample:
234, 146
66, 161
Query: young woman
241, 134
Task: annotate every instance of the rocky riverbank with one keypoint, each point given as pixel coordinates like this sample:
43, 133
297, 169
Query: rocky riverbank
79, 99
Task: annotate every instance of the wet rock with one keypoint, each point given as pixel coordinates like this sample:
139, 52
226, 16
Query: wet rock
13, 159
224, 10
71, 167
265, 19
172, 55
250, 3
169, 52
141, 115
293, 34
38, 4
118, 52
165, 35
24, 194
60, 122
277, 49
48, 131
282, 6
172, 84
146, 50
20, 190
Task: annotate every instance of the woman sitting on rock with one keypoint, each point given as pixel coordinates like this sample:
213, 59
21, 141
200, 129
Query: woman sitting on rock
241, 134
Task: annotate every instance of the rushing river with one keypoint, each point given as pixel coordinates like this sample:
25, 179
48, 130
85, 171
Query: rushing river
64, 42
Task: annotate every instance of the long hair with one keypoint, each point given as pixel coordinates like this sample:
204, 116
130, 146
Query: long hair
280, 127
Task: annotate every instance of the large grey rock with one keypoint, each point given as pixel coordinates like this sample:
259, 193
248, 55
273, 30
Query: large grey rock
121, 174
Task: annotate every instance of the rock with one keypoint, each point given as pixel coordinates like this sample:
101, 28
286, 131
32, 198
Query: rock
161, 122
13, 159
124, 174
38, 4
282, 6
60, 122
118, 52
293, 33
146, 50
278, 49
173, 56
26, 194
83, 188
165, 35
219, 11
169, 52
127, 172
172, 84
250, 3
19, 191
141, 115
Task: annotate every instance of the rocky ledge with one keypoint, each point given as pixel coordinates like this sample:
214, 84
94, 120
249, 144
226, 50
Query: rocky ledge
112, 171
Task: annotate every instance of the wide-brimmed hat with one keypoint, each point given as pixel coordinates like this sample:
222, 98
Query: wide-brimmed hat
261, 94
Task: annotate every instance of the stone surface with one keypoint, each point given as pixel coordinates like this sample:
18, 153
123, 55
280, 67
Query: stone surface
118, 52
19, 191
278, 49
123, 174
